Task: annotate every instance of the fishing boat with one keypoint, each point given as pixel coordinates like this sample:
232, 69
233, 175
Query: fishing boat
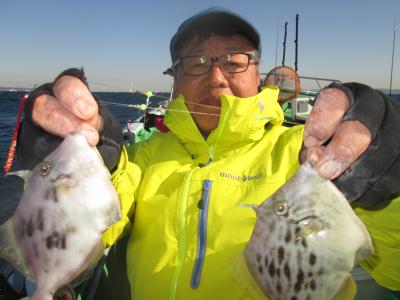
296, 111
146, 124
296, 101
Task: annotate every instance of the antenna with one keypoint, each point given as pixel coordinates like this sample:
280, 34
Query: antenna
296, 41
391, 69
284, 45
276, 42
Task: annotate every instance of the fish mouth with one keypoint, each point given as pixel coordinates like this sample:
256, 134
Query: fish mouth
308, 225
303, 221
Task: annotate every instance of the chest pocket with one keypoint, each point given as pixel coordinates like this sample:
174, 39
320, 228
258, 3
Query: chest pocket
230, 219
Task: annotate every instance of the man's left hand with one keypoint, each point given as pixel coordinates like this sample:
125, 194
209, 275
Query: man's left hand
352, 134
333, 144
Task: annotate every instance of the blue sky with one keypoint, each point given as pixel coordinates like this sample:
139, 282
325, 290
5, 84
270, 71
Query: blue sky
125, 44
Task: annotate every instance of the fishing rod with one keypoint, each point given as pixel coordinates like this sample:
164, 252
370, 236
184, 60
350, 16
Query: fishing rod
296, 42
144, 107
276, 42
13, 146
149, 94
284, 44
391, 69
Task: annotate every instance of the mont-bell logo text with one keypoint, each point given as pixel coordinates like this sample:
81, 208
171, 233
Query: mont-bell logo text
242, 178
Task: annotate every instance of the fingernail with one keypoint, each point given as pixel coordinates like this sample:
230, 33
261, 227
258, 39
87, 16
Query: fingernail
310, 141
312, 156
330, 169
92, 136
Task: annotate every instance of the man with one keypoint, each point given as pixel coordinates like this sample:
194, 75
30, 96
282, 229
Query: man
226, 146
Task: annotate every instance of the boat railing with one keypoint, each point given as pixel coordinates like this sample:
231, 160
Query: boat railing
297, 110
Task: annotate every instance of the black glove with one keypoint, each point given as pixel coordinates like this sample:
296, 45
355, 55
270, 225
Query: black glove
7, 292
34, 144
374, 178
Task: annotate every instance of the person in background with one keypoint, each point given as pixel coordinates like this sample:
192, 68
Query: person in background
230, 130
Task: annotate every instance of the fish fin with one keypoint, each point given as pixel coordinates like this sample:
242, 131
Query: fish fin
24, 174
243, 277
11, 190
347, 291
253, 206
10, 250
365, 250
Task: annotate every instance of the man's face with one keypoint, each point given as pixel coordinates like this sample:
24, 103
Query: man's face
202, 92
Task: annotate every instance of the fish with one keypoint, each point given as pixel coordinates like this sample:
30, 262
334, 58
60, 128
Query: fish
306, 240
56, 230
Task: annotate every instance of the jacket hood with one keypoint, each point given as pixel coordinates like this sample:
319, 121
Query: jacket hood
242, 122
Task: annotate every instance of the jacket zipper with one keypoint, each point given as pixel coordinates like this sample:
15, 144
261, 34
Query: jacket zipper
202, 233
181, 234
182, 227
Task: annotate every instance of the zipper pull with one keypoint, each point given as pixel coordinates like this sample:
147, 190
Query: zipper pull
200, 204
205, 191
202, 165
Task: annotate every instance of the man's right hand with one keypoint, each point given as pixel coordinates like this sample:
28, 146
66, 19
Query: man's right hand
54, 110
72, 109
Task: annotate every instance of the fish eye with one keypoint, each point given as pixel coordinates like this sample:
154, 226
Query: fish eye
281, 208
44, 168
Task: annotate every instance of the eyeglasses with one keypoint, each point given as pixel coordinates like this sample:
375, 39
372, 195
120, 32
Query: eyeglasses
229, 63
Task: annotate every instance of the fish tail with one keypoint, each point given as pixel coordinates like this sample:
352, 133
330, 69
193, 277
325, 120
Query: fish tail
10, 250
38, 295
243, 277
347, 291
366, 248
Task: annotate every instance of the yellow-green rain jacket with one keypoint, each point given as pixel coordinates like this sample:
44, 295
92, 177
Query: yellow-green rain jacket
181, 197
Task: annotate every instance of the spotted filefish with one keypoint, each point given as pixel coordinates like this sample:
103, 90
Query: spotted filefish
56, 231
306, 240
